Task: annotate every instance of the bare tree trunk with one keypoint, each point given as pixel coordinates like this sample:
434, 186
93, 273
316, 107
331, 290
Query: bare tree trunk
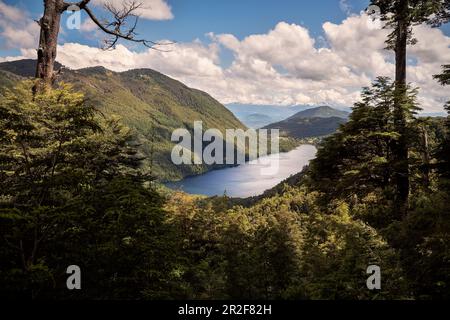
46, 54
401, 147
50, 24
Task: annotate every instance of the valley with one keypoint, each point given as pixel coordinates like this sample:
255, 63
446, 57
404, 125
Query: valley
246, 180
209, 153
150, 103
154, 105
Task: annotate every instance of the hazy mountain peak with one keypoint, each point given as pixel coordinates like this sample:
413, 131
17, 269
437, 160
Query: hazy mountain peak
321, 112
313, 122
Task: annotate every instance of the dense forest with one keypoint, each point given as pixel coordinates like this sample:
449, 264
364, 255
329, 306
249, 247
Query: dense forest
150, 103
378, 193
72, 192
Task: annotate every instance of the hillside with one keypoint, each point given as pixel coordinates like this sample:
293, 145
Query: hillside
258, 116
7, 79
256, 120
149, 102
309, 123
320, 112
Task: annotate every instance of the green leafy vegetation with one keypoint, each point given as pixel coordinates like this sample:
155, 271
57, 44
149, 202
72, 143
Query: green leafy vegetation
357, 166
284, 247
307, 127
72, 192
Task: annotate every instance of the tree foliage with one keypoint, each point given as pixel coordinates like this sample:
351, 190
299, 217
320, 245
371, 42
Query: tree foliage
444, 152
359, 160
71, 193
284, 247
356, 165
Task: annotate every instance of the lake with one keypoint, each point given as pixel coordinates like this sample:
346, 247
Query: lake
247, 179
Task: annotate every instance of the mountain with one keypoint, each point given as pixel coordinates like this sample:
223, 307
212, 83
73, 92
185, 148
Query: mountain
24, 68
315, 122
150, 103
256, 120
320, 112
257, 116
8, 79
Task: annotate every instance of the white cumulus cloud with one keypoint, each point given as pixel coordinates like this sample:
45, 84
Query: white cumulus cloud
17, 29
150, 9
284, 66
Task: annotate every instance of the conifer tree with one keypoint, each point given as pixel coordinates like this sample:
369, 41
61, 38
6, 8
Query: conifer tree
71, 192
444, 153
359, 158
401, 15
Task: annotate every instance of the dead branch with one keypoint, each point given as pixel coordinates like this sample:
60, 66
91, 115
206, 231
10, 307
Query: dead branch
121, 24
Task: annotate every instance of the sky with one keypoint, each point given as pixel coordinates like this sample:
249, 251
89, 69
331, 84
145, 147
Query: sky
262, 52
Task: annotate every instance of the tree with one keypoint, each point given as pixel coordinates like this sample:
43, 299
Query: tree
401, 15
444, 152
71, 192
358, 159
121, 25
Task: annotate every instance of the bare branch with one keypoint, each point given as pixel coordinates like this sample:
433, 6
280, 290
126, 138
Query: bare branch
122, 24
80, 4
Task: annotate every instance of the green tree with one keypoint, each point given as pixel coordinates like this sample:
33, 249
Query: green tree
444, 153
71, 193
401, 15
198, 225
423, 239
359, 159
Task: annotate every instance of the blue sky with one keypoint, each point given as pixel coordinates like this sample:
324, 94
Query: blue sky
282, 52
194, 18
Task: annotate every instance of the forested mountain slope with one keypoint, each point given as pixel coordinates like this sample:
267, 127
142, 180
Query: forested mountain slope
147, 101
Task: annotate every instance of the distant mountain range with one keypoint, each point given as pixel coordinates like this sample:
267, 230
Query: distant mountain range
256, 120
154, 105
314, 122
258, 116
147, 101
320, 112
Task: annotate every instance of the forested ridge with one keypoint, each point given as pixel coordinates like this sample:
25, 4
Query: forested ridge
311, 123
72, 192
150, 103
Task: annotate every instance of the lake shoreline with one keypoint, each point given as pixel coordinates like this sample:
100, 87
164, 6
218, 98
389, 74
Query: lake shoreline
246, 180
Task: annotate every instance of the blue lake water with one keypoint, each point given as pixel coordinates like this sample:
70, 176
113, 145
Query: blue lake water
251, 178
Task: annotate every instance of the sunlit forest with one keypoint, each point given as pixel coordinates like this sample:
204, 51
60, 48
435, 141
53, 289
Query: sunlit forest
79, 185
